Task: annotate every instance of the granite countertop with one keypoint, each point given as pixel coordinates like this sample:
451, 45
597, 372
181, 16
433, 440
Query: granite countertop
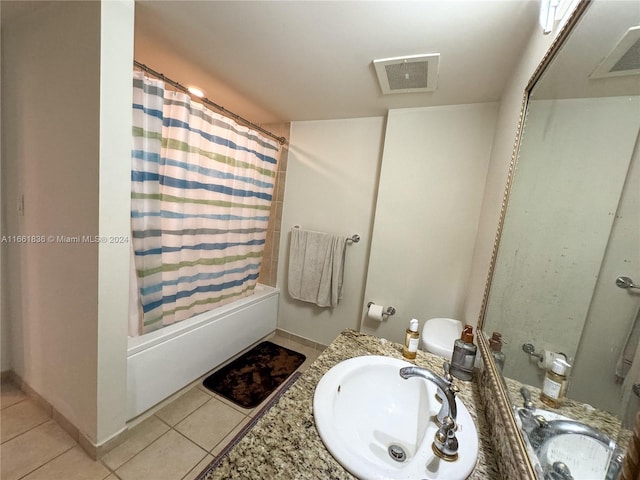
581, 412
284, 443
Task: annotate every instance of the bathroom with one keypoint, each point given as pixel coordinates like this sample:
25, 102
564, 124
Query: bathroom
339, 178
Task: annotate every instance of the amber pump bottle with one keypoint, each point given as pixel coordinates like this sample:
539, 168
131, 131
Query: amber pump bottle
464, 355
411, 340
555, 384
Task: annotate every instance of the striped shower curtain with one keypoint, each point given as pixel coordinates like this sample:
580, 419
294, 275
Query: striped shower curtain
200, 198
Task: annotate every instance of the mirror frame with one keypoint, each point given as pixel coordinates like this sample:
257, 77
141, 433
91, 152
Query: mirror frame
514, 451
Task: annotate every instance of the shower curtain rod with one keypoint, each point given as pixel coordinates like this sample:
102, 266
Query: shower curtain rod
228, 113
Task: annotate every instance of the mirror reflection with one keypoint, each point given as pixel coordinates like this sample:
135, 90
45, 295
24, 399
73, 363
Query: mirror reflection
566, 283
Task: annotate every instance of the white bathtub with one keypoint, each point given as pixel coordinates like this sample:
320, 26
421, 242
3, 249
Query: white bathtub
162, 362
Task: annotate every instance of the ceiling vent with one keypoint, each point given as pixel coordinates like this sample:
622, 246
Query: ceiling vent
417, 73
624, 59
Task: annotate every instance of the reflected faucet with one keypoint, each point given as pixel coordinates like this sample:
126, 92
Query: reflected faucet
445, 444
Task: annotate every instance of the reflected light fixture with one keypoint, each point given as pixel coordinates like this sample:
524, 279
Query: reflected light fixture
548, 14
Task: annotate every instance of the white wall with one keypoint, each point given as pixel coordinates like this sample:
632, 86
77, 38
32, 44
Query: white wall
117, 18
431, 185
331, 181
66, 97
50, 97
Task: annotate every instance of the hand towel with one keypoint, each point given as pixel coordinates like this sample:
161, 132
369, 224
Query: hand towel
316, 267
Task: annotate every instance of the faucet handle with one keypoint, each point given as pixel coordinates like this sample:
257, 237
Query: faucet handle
445, 443
526, 396
541, 421
446, 366
448, 378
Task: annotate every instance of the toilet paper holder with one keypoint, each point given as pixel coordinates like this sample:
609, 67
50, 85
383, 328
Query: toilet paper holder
531, 350
388, 312
545, 358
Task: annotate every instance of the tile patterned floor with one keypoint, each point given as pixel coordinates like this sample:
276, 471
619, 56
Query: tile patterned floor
175, 443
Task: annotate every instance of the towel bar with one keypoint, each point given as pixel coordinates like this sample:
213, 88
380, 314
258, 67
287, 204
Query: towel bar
352, 239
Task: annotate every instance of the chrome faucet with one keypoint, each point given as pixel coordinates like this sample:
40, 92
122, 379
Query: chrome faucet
446, 389
445, 444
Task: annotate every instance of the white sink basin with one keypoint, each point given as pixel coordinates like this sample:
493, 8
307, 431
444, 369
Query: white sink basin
362, 408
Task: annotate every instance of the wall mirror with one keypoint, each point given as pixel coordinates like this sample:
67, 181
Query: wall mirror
571, 226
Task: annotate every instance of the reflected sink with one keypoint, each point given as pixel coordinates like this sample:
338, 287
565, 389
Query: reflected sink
378, 425
584, 451
527, 416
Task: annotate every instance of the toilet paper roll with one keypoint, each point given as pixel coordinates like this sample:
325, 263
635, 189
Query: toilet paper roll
375, 312
546, 362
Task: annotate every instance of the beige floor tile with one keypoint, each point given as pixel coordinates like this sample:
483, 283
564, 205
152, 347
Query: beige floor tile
20, 418
230, 436
27, 452
170, 457
226, 401
138, 439
184, 405
193, 474
311, 354
277, 338
204, 389
10, 394
210, 423
74, 464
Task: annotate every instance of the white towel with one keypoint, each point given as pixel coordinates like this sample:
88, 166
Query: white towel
316, 267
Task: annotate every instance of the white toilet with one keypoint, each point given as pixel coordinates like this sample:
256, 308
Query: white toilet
438, 335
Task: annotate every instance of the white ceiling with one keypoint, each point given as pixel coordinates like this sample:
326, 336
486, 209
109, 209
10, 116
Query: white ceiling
312, 60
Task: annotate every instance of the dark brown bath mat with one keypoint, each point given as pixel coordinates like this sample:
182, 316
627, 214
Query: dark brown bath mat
250, 378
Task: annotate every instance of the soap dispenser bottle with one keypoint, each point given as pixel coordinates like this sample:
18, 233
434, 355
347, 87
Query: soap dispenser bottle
495, 345
464, 355
411, 340
555, 383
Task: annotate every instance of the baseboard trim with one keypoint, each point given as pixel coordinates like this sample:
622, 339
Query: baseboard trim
302, 340
94, 451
